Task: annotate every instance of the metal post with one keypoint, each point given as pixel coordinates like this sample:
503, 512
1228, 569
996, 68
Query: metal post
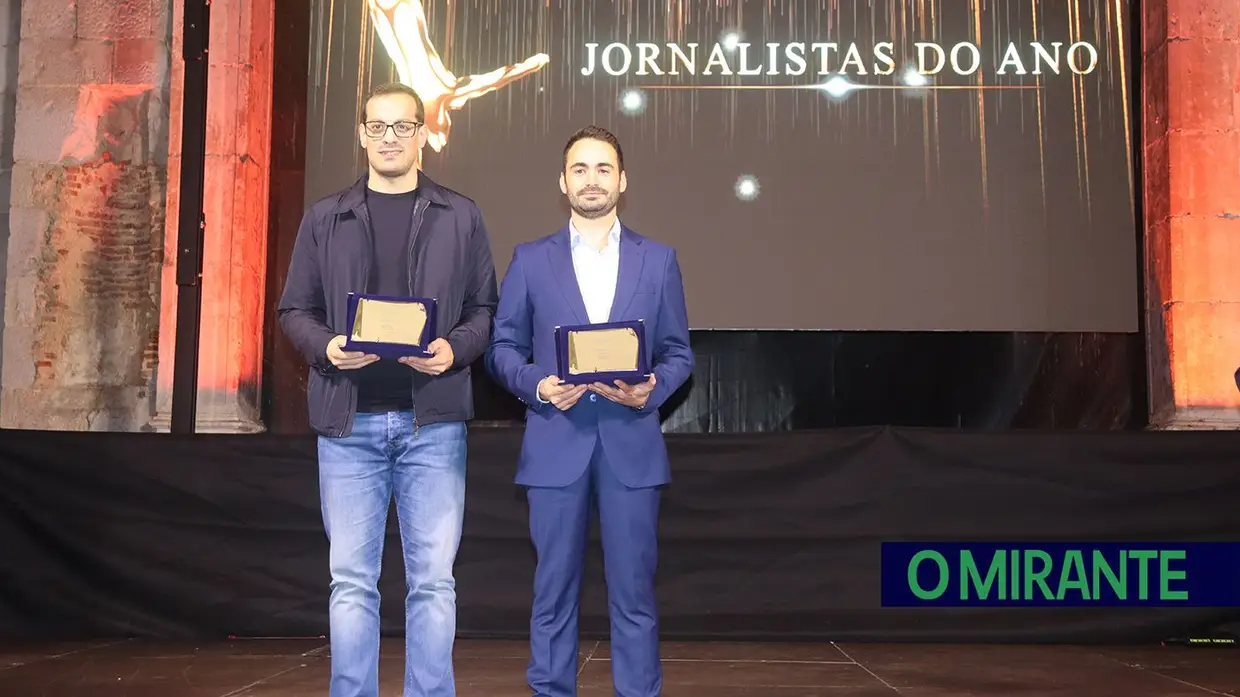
192, 222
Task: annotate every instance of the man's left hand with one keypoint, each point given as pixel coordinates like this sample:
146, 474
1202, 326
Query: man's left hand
634, 396
435, 364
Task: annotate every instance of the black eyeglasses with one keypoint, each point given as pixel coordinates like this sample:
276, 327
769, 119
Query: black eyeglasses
402, 129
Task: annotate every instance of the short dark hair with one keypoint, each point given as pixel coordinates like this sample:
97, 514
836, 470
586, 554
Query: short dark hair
395, 88
595, 133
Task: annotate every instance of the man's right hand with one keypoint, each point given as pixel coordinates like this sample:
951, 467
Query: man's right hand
562, 396
347, 360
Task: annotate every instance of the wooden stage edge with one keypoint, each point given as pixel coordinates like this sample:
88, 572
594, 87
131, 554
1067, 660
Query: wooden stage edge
288, 667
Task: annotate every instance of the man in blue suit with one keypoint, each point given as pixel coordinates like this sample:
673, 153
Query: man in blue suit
592, 442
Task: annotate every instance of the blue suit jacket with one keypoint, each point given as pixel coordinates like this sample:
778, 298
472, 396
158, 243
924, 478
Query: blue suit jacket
539, 293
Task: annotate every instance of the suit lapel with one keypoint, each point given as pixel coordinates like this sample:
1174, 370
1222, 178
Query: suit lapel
632, 255
561, 258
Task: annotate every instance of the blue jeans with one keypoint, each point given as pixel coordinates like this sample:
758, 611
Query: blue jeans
424, 468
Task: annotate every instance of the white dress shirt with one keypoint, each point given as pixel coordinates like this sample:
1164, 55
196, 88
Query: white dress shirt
597, 272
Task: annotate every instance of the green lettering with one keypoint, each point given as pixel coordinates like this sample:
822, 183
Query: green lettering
913, 584
1143, 575
969, 577
1014, 579
1073, 564
1103, 567
1165, 574
1038, 577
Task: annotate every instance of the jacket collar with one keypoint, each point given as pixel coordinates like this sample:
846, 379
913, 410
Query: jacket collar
619, 232
352, 198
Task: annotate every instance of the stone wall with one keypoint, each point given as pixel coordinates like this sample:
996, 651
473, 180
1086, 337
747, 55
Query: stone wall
1191, 141
87, 215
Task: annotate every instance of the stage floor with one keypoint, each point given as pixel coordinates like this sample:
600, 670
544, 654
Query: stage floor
299, 667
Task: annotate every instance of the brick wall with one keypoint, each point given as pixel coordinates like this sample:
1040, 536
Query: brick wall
87, 215
95, 277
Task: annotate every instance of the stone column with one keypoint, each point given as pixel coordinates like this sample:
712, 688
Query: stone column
86, 216
235, 248
1192, 211
285, 378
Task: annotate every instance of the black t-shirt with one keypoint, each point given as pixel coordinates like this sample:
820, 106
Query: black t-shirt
387, 385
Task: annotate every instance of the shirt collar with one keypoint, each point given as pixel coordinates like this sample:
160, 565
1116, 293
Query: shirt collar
613, 236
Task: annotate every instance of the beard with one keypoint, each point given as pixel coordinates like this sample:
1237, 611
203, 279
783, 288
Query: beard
398, 167
591, 209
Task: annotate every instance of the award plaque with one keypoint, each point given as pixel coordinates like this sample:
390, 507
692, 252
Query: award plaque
603, 353
390, 327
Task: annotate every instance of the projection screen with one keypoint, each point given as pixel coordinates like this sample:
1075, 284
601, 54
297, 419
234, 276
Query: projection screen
818, 164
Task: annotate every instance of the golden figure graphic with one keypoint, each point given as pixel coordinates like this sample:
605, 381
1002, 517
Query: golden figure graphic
401, 26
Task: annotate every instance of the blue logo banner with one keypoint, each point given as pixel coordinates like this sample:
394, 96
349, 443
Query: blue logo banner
1066, 574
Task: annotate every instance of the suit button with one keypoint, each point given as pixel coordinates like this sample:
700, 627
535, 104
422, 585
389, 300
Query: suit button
593, 398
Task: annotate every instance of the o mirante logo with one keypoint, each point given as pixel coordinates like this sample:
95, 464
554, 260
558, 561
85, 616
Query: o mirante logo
1196, 574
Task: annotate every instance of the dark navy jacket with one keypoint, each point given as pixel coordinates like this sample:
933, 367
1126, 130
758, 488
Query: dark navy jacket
332, 257
540, 292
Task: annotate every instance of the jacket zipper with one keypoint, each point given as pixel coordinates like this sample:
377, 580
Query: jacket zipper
419, 207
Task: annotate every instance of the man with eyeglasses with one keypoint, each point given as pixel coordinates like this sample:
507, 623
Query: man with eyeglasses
391, 428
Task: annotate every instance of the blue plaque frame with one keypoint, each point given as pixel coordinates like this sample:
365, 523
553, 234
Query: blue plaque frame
386, 350
642, 374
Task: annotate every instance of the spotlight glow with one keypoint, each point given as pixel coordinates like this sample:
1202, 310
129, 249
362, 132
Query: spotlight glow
632, 102
913, 78
838, 86
747, 187
730, 40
